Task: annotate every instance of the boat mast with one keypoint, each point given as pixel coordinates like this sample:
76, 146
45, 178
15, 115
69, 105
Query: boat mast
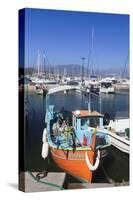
92, 45
38, 63
125, 69
89, 102
44, 62
83, 58
90, 53
100, 99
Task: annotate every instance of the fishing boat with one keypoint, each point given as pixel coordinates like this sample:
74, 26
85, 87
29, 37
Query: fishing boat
76, 138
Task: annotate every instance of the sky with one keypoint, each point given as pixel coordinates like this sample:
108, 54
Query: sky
67, 36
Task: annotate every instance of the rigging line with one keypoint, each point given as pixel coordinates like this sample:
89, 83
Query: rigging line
90, 50
125, 65
46, 58
88, 63
95, 63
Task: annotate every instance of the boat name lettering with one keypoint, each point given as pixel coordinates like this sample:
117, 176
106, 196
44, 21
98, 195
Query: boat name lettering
73, 155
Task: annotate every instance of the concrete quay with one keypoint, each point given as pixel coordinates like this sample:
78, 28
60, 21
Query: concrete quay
27, 183
32, 88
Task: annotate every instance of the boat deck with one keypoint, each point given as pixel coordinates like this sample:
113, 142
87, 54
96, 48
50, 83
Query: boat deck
67, 138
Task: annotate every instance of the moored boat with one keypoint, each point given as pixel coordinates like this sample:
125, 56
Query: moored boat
41, 89
107, 86
118, 131
76, 139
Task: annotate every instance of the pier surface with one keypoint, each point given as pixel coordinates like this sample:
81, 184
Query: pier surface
95, 185
29, 184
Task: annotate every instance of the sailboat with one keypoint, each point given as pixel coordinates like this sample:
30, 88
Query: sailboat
37, 79
75, 138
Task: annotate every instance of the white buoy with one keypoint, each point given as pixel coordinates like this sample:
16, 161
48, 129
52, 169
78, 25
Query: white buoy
45, 150
45, 146
44, 137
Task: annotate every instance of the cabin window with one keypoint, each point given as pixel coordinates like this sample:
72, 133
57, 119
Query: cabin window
94, 122
84, 121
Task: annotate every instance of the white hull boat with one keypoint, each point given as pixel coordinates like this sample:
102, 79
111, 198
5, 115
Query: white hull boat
109, 90
119, 142
117, 134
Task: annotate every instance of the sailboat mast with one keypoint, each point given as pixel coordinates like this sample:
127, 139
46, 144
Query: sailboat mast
90, 53
38, 63
100, 99
44, 62
92, 44
83, 59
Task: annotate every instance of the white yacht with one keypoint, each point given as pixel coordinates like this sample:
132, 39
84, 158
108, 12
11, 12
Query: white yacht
37, 80
123, 84
106, 86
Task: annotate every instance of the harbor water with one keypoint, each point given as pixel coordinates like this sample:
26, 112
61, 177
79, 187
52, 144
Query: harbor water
116, 165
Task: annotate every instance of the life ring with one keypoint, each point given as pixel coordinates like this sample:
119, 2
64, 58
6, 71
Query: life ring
89, 165
45, 149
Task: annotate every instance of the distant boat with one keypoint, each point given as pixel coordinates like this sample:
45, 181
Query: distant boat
50, 81
106, 86
94, 85
76, 139
72, 82
37, 80
123, 84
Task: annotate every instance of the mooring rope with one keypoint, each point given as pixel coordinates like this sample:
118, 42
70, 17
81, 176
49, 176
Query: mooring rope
44, 182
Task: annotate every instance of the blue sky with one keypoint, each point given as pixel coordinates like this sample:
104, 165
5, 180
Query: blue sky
66, 36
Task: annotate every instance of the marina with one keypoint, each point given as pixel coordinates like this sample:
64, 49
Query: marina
36, 109
77, 140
